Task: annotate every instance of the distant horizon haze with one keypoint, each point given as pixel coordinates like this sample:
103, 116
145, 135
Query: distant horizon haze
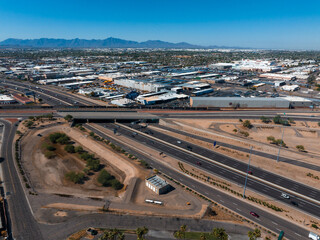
291, 25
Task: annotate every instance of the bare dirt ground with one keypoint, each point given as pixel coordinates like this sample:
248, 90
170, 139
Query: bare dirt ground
47, 175
47, 178
288, 170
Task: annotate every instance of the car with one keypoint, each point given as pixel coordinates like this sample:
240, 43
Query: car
250, 172
199, 163
178, 141
294, 203
39, 135
284, 195
254, 214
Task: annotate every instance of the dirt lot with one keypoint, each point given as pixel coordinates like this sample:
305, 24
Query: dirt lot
47, 175
288, 170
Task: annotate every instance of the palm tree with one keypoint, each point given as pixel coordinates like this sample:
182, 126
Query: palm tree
121, 236
178, 235
220, 234
141, 232
203, 236
183, 230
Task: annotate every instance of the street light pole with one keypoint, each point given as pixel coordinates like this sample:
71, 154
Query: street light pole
280, 145
245, 183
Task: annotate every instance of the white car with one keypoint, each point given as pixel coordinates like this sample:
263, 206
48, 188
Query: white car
284, 195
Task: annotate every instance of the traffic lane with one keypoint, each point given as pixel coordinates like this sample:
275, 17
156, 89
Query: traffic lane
22, 223
45, 98
247, 150
265, 219
55, 92
220, 171
241, 207
236, 116
273, 178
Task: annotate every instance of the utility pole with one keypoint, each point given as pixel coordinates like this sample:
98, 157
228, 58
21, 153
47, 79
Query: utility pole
280, 145
245, 183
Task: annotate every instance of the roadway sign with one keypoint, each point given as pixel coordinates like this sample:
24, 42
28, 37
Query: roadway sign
281, 235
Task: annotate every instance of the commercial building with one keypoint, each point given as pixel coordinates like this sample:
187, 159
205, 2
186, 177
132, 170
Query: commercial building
141, 85
4, 99
256, 102
21, 99
157, 184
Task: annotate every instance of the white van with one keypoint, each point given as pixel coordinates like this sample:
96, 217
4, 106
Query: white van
314, 236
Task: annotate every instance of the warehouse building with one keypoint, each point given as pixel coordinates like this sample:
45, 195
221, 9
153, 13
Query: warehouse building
4, 99
257, 102
157, 184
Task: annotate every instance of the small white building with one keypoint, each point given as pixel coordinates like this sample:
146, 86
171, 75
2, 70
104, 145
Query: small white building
157, 184
290, 88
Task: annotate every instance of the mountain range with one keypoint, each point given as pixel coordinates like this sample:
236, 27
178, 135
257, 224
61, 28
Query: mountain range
94, 43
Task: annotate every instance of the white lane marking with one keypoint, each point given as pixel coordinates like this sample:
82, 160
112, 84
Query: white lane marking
235, 204
274, 223
206, 193
218, 195
278, 229
258, 219
238, 209
221, 201
297, 234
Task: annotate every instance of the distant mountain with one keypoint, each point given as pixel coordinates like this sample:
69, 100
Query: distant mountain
83, 43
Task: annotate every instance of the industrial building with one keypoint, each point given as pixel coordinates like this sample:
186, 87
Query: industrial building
157, 184
4, 99
141, 85
256, 102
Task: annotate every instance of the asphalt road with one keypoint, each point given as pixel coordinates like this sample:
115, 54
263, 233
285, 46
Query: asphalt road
247, 150
243, 114
262, 188
266, 219
52, 97
21, 221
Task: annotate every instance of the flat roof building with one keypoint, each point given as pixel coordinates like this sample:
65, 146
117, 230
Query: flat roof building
157, 184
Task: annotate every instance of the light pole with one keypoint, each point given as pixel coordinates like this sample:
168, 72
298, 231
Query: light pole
280, 145
245, 183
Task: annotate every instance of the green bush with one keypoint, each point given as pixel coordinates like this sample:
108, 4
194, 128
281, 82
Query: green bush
69, 148
116, 184
59, 138
93, 164
105, 178
78, 149
50, 148
49, 154
75, 177
247, 124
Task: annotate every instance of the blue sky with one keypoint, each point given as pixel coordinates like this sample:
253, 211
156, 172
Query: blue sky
278, 24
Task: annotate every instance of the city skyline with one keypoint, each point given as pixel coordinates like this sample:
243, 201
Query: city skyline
285, 25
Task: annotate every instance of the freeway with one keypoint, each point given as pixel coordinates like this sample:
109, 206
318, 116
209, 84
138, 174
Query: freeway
306, 115
266, 219
242, 149
211, 167
22, 225
52, 97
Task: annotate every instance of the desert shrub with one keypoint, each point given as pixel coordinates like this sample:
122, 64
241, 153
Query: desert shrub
59, 138
247, 124
50, 148
116, 185
105, 178
300, 148
93, 164
75, 177
69, 148
49, 154
78, 149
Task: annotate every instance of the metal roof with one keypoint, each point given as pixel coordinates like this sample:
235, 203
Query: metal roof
157, 181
